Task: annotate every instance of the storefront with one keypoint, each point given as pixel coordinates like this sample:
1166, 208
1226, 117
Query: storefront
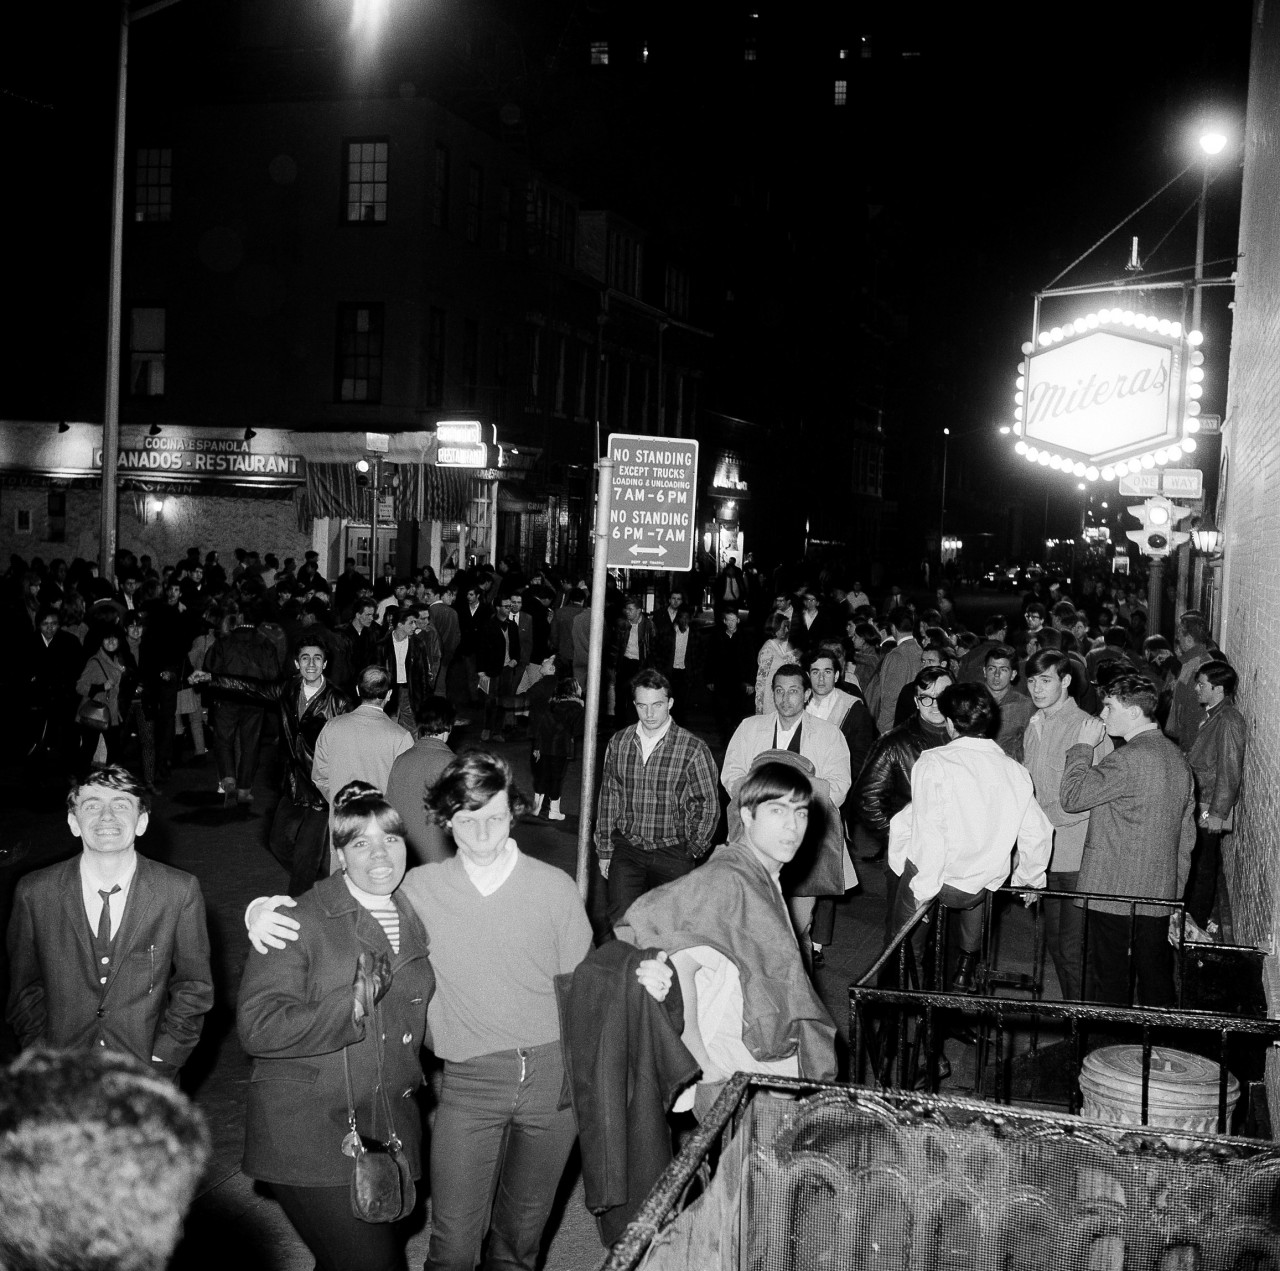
269, 490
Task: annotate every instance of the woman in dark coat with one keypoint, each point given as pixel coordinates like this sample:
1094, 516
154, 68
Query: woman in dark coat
299, 1010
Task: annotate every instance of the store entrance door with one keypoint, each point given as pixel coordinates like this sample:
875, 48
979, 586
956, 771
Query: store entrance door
358, 543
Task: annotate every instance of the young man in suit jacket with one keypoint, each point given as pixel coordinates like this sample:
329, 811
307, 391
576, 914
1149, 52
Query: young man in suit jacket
109, 950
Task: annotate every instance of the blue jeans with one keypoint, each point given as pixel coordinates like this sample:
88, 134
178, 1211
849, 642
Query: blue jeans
497, 1154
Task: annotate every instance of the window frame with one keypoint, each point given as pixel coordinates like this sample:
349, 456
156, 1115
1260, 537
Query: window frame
149, 355
163, 163
349, 184
343, 356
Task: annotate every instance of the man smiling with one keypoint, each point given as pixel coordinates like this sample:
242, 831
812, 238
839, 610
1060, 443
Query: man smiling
109, 949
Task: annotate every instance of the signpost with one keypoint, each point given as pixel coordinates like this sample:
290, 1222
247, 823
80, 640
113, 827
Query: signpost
645, 519
1173, 483
652, 521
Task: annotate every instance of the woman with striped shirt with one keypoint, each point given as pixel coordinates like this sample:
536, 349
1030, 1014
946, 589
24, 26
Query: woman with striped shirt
356, 980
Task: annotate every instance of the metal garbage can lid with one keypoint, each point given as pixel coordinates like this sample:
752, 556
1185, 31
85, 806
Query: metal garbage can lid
1175, 1073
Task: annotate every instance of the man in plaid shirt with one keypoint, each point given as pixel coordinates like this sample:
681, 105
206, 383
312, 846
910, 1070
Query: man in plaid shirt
659, 799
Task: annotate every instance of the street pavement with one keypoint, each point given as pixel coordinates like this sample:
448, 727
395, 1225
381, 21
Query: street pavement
234, 1221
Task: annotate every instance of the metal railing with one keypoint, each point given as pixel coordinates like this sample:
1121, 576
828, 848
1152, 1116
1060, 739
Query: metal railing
905, 1051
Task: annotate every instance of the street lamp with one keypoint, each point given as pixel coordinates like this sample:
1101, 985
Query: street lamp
1212, 142
942, 515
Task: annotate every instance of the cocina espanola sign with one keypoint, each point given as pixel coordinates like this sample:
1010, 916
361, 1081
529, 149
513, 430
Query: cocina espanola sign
204, 458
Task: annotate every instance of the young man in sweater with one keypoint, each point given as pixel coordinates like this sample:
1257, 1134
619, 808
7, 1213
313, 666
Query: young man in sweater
502, 927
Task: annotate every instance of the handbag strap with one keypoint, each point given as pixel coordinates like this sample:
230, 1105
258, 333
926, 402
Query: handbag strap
376, 1020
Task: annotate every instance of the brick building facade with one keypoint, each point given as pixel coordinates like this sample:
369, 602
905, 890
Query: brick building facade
1249, 512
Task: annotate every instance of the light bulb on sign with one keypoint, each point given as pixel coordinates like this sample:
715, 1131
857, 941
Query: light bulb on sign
1148, 461
1091, 473
1196, 374
1161, 457
1134, 466
1108, 473
1028, 347
1078, 470
1055, 334
1045, 456
1045, 338
1191, 425
1055, 462
1019, 447
1194, 338
1195, 390
1189, 445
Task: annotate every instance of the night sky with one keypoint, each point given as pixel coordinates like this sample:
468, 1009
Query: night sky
973, 172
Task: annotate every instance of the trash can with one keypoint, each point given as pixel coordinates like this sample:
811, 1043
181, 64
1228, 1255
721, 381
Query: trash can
1182, 1093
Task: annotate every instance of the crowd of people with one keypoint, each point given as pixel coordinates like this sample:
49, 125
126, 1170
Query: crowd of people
1060, 748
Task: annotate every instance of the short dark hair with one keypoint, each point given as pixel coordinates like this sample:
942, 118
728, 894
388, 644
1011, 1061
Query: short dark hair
1035, 608
868, 631
832, 652
110, 777
1220, 674
929, 676
994, 625
790, 670
469, 782
650, 679
900, 618
774, 780
1193, 624
971, 709
1049, 660
98, 1151
306, 641
1064, 611
354, 804
436, 716
373, 683
1115, 637
1048, 638
1132, 689
1001, 653
47, 611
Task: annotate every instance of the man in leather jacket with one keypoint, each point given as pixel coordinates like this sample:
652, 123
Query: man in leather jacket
307, 703
410, 652
883, 787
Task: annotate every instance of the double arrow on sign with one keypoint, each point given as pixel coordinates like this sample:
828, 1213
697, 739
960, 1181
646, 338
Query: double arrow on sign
648, 551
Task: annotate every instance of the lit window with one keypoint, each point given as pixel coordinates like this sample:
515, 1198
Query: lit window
360, 353
366, 182
146, 352
842, 92
599, 52
644, 53
865, 41
844, 55
749, 53
153, 186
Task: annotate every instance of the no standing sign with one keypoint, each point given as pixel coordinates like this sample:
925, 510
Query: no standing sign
652, 521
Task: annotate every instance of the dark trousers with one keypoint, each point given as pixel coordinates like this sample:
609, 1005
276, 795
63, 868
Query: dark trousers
497, 1154
823, 927
166, 717
679, 694
298, 842
339, 1240
632, 872
1202, 882
89, 745
400, 708
548, 774
137, 718
966, 911
237, 737
1107, 977
626, 706
1064, 936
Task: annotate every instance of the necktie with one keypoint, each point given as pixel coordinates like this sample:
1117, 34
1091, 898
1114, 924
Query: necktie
104, 920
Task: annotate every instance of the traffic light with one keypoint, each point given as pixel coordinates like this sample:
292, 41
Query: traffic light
1157, 537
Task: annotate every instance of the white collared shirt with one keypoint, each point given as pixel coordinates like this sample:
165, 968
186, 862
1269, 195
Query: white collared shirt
647, 743
784, 735
90, 885
486, 879
682, 647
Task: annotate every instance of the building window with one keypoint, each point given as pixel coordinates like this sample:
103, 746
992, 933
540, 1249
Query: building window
471, 359
599, 52
56, 507
535, 370
435, 357
360, 334
146, 352
623, 263
366, 182
475, 201
153, 186
842, 92
440, 189
22, 520
561, 368
504, 219
844, 55
749, 52
553, 226
677, 292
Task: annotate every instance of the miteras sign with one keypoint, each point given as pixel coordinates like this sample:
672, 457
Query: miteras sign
1111, 393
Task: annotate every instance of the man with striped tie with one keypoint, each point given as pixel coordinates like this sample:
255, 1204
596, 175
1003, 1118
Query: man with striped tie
109, 950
